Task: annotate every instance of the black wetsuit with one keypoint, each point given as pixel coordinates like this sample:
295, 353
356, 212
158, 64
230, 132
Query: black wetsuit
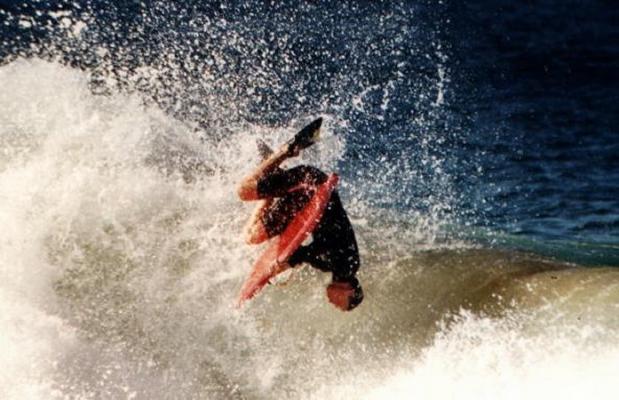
334, 247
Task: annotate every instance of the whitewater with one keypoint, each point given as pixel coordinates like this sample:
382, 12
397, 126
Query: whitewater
482, 190
121, 256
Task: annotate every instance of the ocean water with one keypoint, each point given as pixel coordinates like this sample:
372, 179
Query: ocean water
477, 148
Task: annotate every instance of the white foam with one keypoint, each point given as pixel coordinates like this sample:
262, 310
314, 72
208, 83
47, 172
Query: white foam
118, 277
501, 358
76, 167
102, 236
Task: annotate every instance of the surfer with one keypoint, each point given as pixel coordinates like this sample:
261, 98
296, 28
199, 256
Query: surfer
284, 193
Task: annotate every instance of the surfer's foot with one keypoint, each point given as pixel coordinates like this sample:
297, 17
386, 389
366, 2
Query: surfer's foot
304, 138
263, 149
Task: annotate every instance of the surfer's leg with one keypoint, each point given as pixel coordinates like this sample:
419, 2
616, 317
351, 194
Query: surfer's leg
281, 182
248, 188
272, 216
255, 231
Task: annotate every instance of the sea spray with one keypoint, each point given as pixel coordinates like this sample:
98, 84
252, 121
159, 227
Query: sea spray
124, 129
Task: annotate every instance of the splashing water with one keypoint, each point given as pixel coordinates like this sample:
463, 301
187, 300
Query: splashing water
120, 255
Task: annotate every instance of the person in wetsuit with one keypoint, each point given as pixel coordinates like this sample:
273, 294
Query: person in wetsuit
283, 194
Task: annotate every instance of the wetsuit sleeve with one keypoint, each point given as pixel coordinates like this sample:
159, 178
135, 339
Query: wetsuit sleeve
307, 254
280, 182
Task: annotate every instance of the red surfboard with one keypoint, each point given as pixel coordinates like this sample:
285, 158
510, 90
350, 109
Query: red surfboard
273, 260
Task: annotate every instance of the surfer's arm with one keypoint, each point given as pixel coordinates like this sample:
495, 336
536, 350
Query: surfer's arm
307, 254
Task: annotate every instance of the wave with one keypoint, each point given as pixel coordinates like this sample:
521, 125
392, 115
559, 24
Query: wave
583, 252
120, 259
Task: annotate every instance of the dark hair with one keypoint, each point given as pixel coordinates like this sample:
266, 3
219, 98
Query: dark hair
357, 296
355, 299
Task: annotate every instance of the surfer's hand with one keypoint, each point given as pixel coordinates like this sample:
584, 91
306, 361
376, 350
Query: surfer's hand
280, 267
